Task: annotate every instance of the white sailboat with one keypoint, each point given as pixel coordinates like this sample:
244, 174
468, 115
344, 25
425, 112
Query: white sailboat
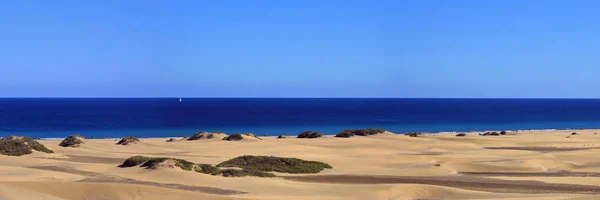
180, 100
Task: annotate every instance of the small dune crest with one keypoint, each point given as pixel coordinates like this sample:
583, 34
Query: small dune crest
73, 141
19, 145
128, 140
242, 136
208, 136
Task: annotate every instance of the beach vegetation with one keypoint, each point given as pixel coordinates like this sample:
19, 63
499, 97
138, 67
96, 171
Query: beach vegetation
461, 135
134, 161
240, 136
414, 134
18, 146
242, 173
128, 140
72, 141
276, 164
310, 134
205, 168
502, 132
360, 132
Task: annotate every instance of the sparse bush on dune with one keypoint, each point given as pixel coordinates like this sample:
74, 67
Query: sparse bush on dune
18, 146
240, 136
414, 134
134, 161
242, 173
360, 132
205, 168
72, 141
128, 140
490, 134
250, 165
207, 135
574, 133
281, 136
276, 164
461, 135
154, 162
310, 134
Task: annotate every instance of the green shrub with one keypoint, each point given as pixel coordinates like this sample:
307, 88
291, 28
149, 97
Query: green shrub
71, 141
241, 173
134, 161
361, 132
345, 134
206, 168
184, 164
310, 134
36, 145
128, 140
234, 137
18, 146
11, 147
276, 164
151, 162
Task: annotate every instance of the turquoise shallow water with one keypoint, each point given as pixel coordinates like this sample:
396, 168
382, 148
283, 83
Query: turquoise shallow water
167, 117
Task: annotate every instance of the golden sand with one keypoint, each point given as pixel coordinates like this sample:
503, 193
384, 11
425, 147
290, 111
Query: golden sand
525, 165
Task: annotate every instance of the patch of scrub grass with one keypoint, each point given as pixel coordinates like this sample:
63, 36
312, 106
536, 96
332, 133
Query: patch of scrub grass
242, 173
151, 162
206, 168
134, 161
276, 164
71, 141
18, 146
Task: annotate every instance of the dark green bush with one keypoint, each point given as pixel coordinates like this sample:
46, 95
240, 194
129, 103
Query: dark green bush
11, 147
151, 162
128, 140
242, 173
18, 146
71, 141
206, 168
310, 134
461, 135
276, 164
134, 161
361, 132
234, 137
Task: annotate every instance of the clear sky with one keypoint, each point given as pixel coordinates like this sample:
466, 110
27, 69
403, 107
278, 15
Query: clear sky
305, 48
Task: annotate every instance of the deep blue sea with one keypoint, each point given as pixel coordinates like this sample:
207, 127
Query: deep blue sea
167, 117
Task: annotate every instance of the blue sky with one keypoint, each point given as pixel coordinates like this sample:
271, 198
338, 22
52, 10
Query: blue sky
260, 48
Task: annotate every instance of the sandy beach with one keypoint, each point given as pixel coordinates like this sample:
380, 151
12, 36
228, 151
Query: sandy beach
519, 165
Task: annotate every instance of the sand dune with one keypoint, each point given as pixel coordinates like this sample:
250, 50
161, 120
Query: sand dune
523, 165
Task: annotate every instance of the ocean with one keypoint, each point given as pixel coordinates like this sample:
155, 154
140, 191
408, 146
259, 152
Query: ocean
167, 117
